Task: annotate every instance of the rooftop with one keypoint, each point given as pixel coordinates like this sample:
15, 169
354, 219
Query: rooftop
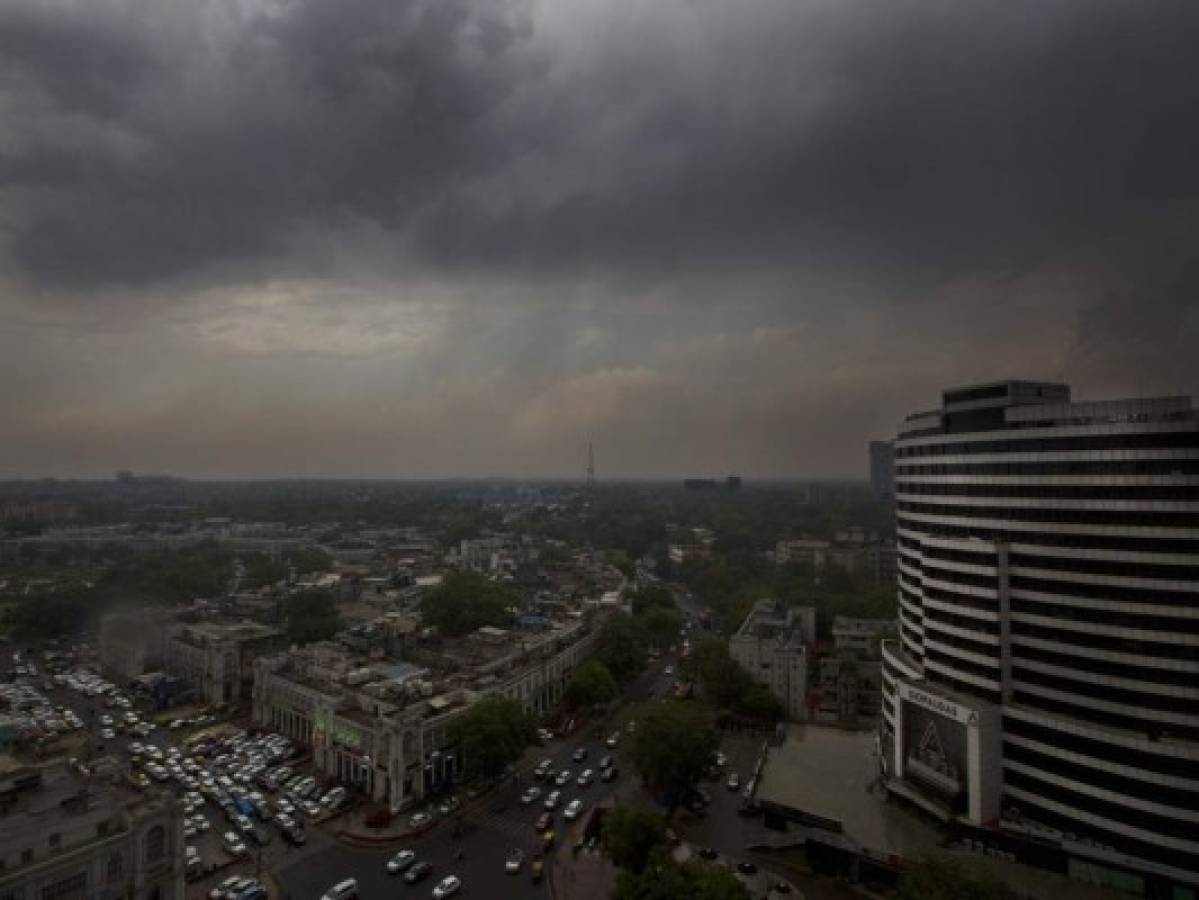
828, 772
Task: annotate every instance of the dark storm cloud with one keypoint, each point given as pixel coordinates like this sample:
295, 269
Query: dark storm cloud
920, 139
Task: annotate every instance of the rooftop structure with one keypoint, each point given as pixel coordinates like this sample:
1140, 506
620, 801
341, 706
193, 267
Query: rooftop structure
80, 833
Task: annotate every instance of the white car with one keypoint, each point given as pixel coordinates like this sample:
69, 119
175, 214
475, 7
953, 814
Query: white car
234, 845
734, 781
514, 861
400, 861
343, 890
530, 795
447, 887
551, 802
573, 808
420, 820
584, 778
563, 778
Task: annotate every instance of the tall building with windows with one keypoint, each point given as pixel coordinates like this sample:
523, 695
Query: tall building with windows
1045, 681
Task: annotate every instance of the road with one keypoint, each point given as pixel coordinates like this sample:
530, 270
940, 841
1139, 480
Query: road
490, 832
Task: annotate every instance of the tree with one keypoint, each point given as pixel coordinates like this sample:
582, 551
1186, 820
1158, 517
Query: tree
758, 703
630, 834
937, 878
665, 879
662, 625
623, 647
590, 684
465, 602
312, 616
492, 734
653, 597
674, 746
723, 680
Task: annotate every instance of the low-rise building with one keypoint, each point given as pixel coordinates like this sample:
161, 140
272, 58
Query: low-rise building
771, 645
854, 550
216, 658
72, 835
860, 635
386, 727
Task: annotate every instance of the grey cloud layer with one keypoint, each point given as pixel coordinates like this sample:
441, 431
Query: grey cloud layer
609, 200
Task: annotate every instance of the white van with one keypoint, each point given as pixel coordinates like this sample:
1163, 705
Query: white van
343, 890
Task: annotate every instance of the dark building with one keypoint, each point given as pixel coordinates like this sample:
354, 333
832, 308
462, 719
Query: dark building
1045, 682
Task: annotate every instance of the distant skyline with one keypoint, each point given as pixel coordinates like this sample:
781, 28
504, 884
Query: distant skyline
439, 238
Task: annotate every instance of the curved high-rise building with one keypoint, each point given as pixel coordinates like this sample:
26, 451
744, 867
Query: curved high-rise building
1046, 675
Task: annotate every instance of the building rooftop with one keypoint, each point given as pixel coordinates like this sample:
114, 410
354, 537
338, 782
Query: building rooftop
828, 773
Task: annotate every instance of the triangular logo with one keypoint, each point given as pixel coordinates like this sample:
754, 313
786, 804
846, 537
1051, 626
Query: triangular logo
930, 747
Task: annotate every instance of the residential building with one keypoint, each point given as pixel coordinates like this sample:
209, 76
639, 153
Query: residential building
771, 645
73, 835
860, 553
860, 635
1045, 681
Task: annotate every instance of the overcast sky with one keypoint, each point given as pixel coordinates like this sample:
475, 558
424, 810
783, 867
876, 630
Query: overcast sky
465, 237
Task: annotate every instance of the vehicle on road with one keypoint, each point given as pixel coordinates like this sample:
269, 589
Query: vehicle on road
573, 809
607, 762
542, 768
745, 867
585, 778
668, 671
222, 890
563, 778
418, 871
551, 802
447, 887
420, 820
537, 870
609, 774
233, 844
343, 890
514, 861
734, 781
401, 861
544, 821
579, 755
530, 795
614, 739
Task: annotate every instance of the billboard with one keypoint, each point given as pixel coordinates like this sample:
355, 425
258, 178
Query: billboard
935, 754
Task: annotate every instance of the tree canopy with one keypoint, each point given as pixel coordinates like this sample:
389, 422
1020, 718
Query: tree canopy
312, 616
623, 647
674, 746
631, 833
664, 879
591, 684
492, 734
465, 602
729, 686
